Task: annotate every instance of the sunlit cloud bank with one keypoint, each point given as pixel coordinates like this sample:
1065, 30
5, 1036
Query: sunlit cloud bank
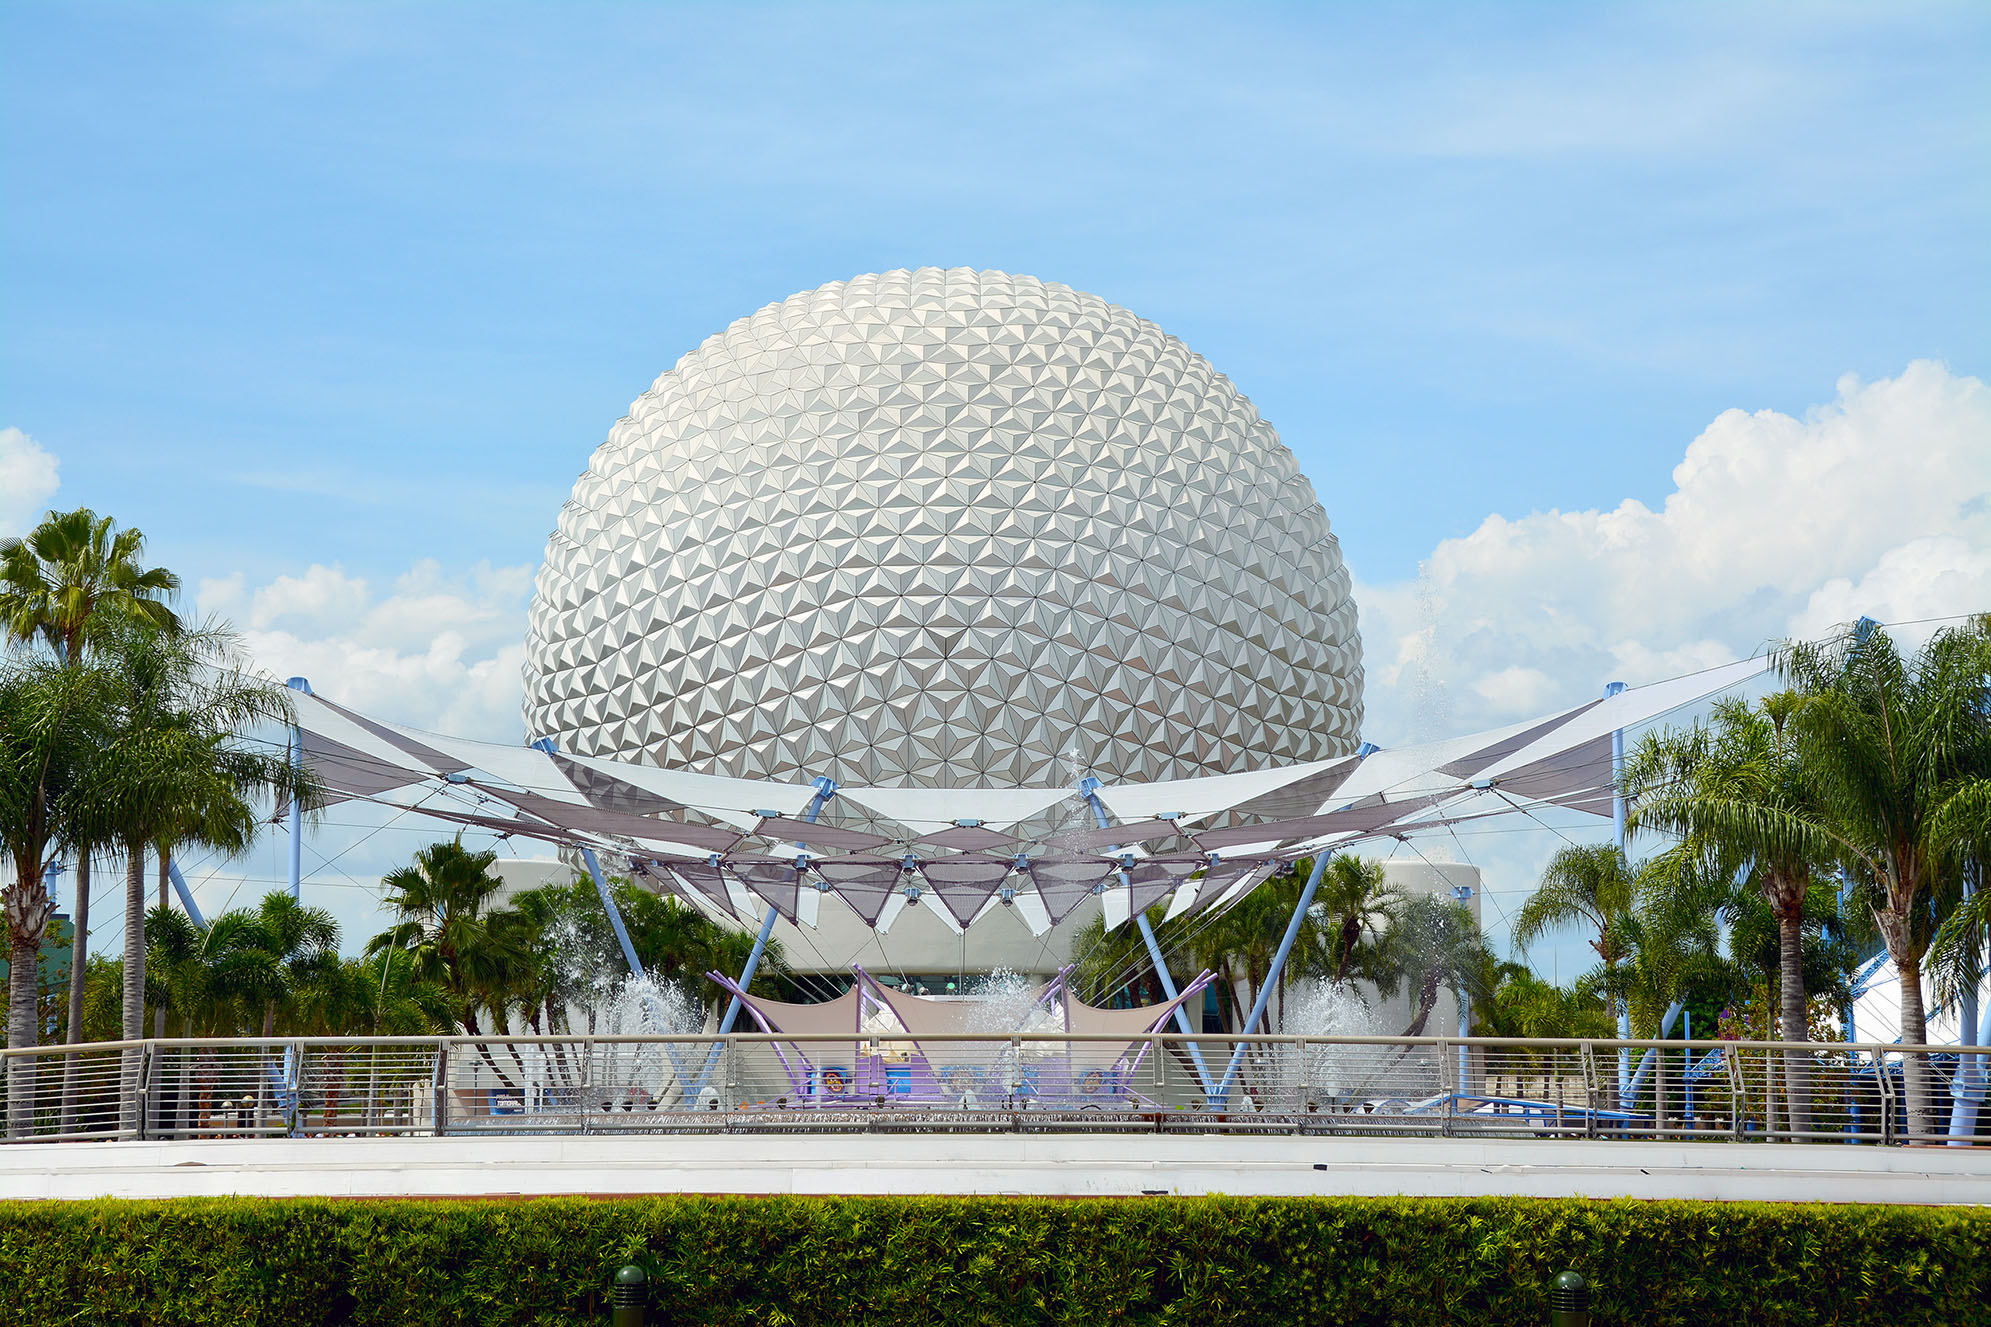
440, 650
28, 479
1878, 503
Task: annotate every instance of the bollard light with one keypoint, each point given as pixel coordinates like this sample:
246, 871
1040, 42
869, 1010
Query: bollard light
1569, 1301
632, 1288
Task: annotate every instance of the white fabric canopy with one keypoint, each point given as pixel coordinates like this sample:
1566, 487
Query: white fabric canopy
1256, 819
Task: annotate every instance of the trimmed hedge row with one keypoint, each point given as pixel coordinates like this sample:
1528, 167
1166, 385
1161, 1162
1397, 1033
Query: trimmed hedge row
912, 1261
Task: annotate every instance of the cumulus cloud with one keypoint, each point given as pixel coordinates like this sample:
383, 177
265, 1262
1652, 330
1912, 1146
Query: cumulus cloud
1878, 503
28, 479
440, 651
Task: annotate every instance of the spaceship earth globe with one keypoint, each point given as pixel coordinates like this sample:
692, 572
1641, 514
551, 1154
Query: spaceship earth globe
944, 529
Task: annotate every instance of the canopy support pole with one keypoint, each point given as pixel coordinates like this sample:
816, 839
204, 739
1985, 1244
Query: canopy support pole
1645, 1060
1088, 788
547, 745
825, 789
296, 811
614, 913
1618, 833
186, 895
1968, 1091
1223, 1092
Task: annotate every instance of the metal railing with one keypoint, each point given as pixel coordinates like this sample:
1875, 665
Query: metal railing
1739, 1091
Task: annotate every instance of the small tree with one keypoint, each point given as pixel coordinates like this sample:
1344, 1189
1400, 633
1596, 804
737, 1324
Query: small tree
1433, 945
1740, 791
181, 769
1899, 751
1589, 887
71, 576
53, 721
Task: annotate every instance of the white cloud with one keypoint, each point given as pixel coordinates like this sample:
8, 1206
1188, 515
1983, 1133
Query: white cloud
440, 651
1878, 503
28, 479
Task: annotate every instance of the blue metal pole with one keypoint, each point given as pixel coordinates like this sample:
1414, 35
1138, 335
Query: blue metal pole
1673, 1011
1688, 1085
1223, 1091
615, 923
186, 895
1845, 901
1464, 893
614, 913
825, 789
296, 811
1089, 788
1618, 833
1967, 1096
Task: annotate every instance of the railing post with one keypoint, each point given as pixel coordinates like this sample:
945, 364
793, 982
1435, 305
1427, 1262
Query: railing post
1738, 1094
1590, 1089
148, 1073
439, 1111
293, 1090
1885, 1082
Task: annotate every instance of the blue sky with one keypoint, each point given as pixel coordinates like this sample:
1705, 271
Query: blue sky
334, 301
402, 266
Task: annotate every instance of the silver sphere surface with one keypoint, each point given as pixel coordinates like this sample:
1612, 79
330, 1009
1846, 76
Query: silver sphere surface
944, 528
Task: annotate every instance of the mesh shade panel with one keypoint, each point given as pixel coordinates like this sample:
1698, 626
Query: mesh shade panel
964, 884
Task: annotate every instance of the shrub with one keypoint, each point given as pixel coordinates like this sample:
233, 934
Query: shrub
911, 1261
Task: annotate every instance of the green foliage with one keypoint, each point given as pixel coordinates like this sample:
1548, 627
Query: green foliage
911, 1261
1342, 938
74, 572
1523, 1005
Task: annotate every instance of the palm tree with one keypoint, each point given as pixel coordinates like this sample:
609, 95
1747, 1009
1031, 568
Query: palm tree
1671, 936
53, 722
1592, 887
379, 996
302, 945
1587, 886
183, 773
1956, 951
1113, 960
678, 943
1739, 790
1241, 944
1354, 900
70, 575
1433, 945
1900, 752
1520, 1004
451, 934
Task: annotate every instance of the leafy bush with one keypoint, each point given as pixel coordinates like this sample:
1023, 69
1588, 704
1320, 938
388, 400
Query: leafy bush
909, 1261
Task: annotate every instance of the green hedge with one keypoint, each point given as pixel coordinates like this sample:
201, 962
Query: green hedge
827, 1262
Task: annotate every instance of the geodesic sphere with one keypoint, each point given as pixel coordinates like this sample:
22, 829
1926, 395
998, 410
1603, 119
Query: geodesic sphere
944, 528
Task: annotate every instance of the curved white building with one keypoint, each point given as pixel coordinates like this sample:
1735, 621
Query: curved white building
944, 528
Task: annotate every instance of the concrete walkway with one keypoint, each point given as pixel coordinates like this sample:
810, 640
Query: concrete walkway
1071, 1165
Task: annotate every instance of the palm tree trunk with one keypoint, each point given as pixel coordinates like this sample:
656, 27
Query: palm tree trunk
79, 969
1427, 1000
79, 949
1797, 1065
165, 881
1915, 1032
23, 957
134, 942
134, 983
